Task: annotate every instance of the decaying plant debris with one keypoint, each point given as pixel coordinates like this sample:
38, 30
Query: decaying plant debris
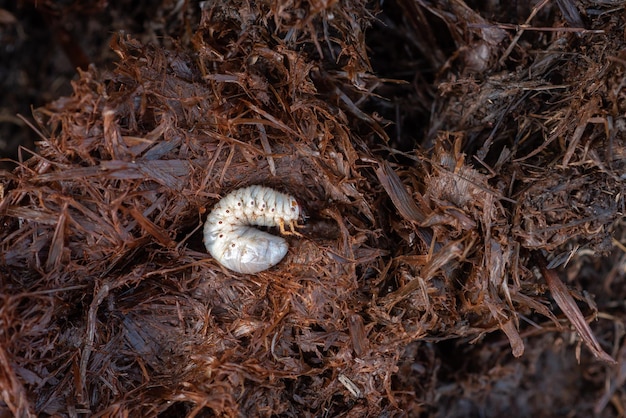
462, 182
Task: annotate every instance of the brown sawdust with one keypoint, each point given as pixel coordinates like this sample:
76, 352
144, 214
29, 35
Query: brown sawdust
461, 178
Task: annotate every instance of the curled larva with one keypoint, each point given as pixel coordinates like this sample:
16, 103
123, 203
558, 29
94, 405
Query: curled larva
235, 244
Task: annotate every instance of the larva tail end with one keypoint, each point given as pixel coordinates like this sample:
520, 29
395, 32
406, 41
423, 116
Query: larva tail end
248, 250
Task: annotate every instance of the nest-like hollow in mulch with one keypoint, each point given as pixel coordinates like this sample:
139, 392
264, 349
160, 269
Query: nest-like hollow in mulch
450, 167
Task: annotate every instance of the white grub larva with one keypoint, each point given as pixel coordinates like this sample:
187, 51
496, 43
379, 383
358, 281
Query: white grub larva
235, 244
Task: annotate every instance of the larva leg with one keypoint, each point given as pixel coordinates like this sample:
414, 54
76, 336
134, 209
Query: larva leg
292, 228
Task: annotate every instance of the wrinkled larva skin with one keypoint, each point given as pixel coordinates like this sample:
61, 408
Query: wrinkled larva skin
234, 243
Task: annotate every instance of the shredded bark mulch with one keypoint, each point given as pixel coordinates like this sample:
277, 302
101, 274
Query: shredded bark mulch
460, 166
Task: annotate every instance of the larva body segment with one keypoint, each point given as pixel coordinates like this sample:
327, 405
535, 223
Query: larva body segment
230, 238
